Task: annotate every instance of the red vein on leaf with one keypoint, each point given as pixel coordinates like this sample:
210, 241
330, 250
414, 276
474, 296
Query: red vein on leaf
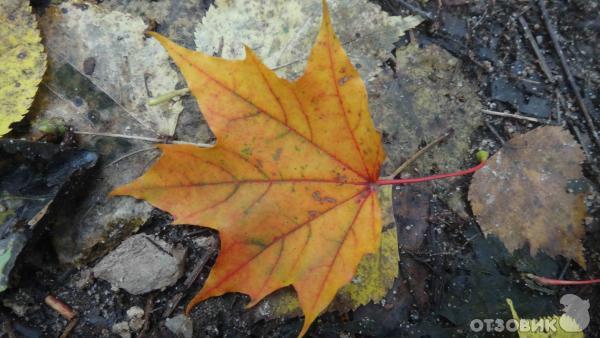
275, 240
344, 112
337, 252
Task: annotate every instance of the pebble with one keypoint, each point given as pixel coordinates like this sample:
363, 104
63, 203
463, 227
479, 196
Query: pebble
181, 325
142, 263
121, 329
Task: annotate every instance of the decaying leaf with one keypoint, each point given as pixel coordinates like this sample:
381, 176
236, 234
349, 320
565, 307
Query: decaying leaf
36, 179
546, 327
102, 70
176, 19
426, 96
290, 184
282, 32
117, 58
22, 61
523, 195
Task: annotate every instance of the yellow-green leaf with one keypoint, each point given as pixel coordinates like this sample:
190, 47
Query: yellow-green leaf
22, 61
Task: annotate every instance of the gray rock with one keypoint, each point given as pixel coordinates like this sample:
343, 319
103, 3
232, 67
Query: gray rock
141, 264
181, 325
121, 329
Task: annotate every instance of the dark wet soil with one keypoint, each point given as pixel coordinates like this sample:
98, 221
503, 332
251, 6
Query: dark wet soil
453, 262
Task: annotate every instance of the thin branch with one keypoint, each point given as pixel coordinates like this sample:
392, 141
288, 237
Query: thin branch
415, 9
418, 154
514, 116
121, 158
536, 49
495, 132
167, 96
142, 138
570, 79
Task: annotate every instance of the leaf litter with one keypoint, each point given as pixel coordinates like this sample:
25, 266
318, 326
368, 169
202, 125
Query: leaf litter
102, 71
22, 61
524, 196
391, 83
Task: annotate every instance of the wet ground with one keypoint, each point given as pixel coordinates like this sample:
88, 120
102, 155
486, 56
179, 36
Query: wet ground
445, 261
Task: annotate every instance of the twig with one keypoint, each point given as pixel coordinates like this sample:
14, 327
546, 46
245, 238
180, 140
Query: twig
495, 132
559, 106
141, 138
60, 307
565, 66
69, 328
536, 49
418, 154
564, 270
147, 312
584, 146
121, 158
167, 96
189, 281
514, 116
416, 9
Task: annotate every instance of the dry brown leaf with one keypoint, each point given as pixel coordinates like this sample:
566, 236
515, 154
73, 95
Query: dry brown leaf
522, 195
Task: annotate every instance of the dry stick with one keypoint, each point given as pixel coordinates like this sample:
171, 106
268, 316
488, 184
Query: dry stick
60, 307
130, 154
167, 96
147, 312
142, 138
70, 327
418, 154
514, 116
559, 107
189, 281
415, 9
495, 132
565, 66
536, 49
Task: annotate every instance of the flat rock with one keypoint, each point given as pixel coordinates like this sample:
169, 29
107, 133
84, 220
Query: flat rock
141, 264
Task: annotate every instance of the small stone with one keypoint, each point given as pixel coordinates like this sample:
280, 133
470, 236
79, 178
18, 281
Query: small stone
20, 303
135, 315
205, 242
135, 312
85, 277
141, 264
181, 325
121, 329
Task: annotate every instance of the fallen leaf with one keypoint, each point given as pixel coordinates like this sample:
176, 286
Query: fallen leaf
427, 94
522, 196
281, 32
558, 326
22, 61
110, 49
102, 69
290, 182
37, 180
